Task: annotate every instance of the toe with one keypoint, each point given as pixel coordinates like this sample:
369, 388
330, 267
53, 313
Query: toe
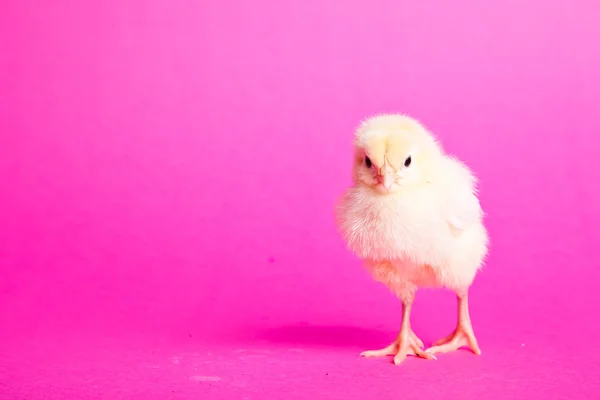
474, 346
444, 340
451, 345
442, 348
472, 342
424, 354
387, 351
374, 353
399, 358
411, 346
416, 340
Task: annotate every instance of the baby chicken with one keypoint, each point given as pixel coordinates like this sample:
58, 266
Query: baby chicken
413, 217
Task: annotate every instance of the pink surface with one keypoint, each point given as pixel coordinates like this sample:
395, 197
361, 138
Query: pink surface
168, 171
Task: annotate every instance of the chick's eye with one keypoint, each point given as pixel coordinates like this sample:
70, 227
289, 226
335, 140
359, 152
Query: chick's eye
407, 161
368, 162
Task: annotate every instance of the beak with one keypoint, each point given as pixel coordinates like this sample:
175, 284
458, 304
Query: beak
386, 178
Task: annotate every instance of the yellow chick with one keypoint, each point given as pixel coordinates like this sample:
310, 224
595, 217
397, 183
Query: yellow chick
413, 217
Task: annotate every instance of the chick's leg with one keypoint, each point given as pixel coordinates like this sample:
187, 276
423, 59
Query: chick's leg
407, 343
463, 335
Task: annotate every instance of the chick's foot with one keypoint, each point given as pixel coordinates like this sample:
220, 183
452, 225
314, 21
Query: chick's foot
404, 345
462, 336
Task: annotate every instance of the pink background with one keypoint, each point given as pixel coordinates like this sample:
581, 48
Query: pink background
168, 171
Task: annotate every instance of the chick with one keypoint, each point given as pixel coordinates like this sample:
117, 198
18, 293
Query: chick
413, 217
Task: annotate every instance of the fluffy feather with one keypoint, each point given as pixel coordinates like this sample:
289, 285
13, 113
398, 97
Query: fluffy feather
412, 214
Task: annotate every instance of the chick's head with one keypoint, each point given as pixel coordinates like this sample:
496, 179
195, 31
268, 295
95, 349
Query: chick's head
392, 152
